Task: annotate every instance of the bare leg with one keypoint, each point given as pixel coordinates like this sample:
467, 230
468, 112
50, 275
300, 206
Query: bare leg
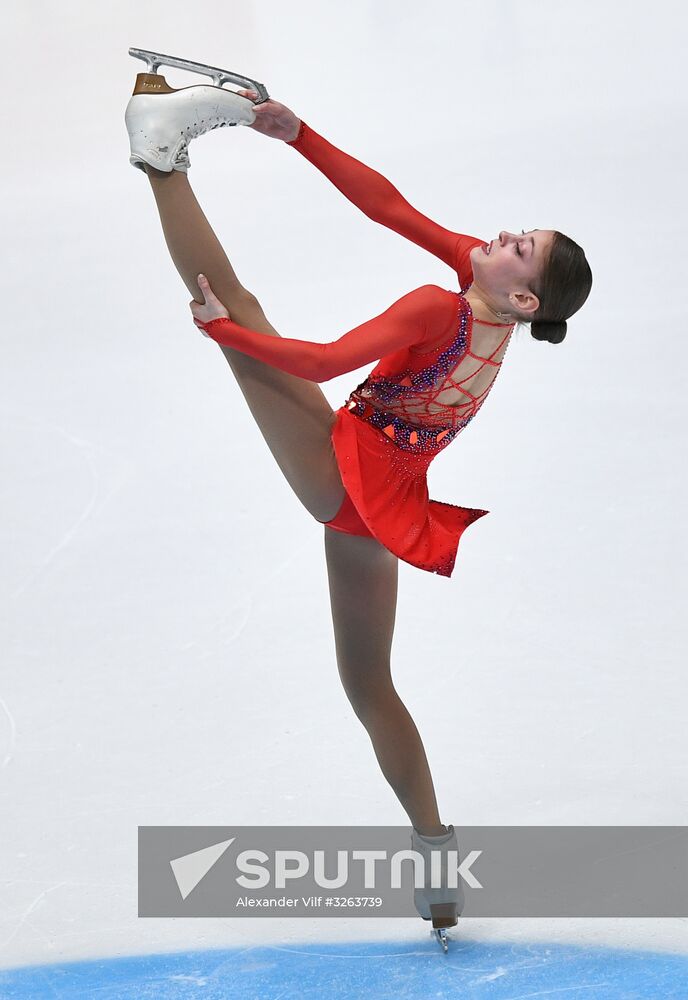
292, 414
363, 578
295, 420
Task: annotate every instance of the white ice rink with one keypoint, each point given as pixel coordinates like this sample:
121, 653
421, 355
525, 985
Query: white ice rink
167, 653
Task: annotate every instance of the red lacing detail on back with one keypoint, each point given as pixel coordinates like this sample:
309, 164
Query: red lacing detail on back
475, 402
411, 394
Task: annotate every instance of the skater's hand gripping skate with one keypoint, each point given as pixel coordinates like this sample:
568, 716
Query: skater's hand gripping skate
211, 308
272, 118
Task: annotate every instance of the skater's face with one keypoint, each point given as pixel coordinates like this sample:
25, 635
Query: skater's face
513, 264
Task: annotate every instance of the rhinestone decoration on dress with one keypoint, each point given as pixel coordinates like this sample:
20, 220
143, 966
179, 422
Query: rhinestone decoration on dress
423, 435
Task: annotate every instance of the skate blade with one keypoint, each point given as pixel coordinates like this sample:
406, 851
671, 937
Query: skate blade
219, 76
441, 936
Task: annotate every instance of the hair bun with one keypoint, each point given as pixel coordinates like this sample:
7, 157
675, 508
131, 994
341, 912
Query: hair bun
554, 333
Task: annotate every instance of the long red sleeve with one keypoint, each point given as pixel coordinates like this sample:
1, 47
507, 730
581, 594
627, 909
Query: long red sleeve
382, 202
421, 316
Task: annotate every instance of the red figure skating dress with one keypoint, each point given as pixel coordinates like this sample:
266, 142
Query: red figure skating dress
430, 382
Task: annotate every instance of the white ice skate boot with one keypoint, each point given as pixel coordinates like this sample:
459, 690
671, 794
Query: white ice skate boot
441, 905
162, 121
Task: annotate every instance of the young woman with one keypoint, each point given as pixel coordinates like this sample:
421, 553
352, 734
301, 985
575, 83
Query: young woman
361, 470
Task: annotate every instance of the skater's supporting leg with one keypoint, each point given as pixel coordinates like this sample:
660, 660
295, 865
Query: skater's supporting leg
363, 594
293, 414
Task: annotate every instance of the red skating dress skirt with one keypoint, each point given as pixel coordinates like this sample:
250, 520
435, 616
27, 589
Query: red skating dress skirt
386, 435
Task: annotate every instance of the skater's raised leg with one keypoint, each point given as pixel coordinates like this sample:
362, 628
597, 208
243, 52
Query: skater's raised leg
292, 413
363, 578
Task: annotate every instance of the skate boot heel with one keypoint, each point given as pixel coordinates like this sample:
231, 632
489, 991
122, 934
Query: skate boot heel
151, 83
443, 915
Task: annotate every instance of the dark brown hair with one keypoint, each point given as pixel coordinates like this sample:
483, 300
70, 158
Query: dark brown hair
562, 287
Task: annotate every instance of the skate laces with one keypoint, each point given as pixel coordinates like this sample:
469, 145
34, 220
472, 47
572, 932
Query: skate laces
200, 128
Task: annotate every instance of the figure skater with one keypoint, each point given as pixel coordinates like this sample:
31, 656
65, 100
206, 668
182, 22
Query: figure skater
361, 470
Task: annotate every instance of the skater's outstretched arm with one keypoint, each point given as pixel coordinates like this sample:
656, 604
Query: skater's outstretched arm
421, 317
366, 188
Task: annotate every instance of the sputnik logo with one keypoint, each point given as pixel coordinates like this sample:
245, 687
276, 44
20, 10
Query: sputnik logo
189, 869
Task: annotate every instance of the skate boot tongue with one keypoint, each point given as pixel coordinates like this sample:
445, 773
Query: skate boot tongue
182, 161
